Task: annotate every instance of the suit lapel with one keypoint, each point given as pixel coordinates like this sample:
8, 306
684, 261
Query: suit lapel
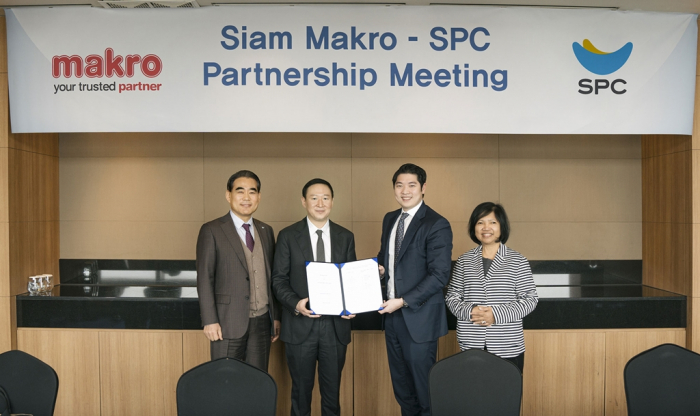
261, 238
233, 238
411, 231
497, 261
479, 262
387, 234
304, 240
336, 246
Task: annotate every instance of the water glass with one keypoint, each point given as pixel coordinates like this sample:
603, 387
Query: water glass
33, 286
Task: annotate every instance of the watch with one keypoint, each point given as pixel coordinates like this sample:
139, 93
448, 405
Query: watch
405, 305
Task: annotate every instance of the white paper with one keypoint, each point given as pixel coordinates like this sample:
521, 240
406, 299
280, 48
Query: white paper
325, 295
361, 286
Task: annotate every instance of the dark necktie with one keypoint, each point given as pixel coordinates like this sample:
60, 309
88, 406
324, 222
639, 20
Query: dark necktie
249, 242
399, 239
320, 248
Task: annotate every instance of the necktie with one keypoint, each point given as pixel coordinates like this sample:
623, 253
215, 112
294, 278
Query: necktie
320, 248
399, 239
249, 242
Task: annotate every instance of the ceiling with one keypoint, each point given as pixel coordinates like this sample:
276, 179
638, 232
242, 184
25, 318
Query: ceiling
682, 6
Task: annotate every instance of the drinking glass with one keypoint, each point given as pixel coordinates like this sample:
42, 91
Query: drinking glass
33, 285
49, 282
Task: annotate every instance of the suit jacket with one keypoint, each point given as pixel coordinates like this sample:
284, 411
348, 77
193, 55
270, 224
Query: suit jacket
223, 282
422, 270
289, 277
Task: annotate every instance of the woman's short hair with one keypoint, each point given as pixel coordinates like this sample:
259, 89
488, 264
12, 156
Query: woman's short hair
484, 209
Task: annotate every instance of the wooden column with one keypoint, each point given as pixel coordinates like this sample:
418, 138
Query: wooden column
671, 216
29, 227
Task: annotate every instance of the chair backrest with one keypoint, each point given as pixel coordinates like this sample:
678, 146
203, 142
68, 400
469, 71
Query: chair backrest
31, 384
664, 380
226, 387
475, 382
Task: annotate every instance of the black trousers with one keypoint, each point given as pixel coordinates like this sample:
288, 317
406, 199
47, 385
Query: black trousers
518, 360
321, 346
253, 347
409, 365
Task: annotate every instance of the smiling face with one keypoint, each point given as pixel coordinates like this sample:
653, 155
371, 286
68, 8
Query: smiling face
318, 203
488, 229
244, 198
408, 191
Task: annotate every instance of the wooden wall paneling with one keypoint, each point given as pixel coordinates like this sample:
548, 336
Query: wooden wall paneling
576, 240
662, 144
40, 143
3, 45
139, 372
278, 145
374, 394
132, 189
423, 145
569, 146
5, 259
4, 108
696, 117
693, 325
7, 327
75, 356
667, 251
622, 345
280, 372
195, 349
695, 252
695, 187
447, 345
571, 190
20, 186
564, 373
666, 194
4, 184
125, 145
129, 240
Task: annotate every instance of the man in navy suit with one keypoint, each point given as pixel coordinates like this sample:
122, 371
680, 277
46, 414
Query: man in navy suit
415, 261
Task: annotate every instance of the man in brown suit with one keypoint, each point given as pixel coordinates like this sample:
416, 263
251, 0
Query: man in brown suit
234, 264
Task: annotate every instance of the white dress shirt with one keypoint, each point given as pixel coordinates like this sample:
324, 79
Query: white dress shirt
238, 223
326, 229
392, 242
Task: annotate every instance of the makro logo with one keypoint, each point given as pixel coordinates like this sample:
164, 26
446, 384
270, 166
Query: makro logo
107, 65
601, 63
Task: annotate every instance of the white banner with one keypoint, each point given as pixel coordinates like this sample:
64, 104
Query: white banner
441, 69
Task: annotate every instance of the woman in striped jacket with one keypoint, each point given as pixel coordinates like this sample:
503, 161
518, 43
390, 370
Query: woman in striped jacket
492, 289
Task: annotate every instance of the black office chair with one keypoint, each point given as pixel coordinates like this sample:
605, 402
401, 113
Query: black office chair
664, 380
31, 384
475, 382
226, 387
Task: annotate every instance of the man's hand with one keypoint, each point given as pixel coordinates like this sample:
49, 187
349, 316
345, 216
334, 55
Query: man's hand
213, 332
301, 307
277, 325
381, 270
482, 316
348, 316
391, 305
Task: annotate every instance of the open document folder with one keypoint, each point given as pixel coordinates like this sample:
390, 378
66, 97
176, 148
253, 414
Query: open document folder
344, 288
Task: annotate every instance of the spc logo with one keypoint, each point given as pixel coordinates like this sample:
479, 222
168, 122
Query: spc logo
601, 63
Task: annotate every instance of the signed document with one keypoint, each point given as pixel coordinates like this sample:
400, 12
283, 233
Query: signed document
345, 288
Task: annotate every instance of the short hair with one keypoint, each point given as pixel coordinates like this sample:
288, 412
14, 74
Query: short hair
485, 209
316, 181
242, 174
412, 169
